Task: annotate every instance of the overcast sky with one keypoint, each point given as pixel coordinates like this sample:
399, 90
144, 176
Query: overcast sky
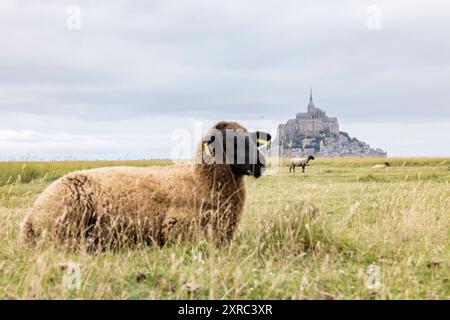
136, 71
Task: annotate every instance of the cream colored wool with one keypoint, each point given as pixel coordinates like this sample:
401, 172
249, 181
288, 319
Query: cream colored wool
380, 166
300, 162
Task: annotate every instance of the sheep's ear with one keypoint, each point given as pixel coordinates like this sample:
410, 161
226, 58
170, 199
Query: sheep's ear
261, 138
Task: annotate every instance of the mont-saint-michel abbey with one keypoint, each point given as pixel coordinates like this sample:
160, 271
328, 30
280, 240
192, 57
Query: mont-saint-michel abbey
313, 132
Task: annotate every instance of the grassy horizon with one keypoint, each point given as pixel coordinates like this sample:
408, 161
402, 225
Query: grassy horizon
302, 236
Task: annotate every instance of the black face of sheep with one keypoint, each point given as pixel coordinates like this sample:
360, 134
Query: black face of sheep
310, 157
239, 149
387, 164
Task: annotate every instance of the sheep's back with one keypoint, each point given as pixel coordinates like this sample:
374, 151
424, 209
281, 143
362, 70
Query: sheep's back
134, 191
117, 200
298, 161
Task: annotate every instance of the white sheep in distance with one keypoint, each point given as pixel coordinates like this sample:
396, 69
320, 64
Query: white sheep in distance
381, 166
300, 162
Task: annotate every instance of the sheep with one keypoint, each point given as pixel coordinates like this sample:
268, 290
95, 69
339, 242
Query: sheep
120, 206
381, 166
300, 162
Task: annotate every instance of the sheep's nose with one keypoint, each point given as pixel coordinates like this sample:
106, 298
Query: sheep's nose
258, 171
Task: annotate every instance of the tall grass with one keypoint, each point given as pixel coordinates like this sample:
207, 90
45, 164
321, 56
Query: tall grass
24, 172
303, 236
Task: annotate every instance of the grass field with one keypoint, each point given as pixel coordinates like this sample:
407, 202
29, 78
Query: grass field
310, 236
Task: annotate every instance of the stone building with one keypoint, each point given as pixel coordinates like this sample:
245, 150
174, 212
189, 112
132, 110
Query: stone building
310, 123
313, 132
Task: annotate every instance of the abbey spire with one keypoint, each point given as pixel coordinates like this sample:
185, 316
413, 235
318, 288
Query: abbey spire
311, 103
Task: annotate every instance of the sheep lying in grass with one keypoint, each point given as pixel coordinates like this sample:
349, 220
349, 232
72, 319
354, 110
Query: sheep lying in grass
381, 166
300, 162
118, 206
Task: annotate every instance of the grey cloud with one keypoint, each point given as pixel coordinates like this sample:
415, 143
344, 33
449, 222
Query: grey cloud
225, 59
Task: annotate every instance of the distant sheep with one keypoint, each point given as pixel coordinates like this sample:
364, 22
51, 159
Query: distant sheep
300, 162
118, 206
381, 166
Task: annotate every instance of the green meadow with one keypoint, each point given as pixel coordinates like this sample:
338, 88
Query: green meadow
342, 230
